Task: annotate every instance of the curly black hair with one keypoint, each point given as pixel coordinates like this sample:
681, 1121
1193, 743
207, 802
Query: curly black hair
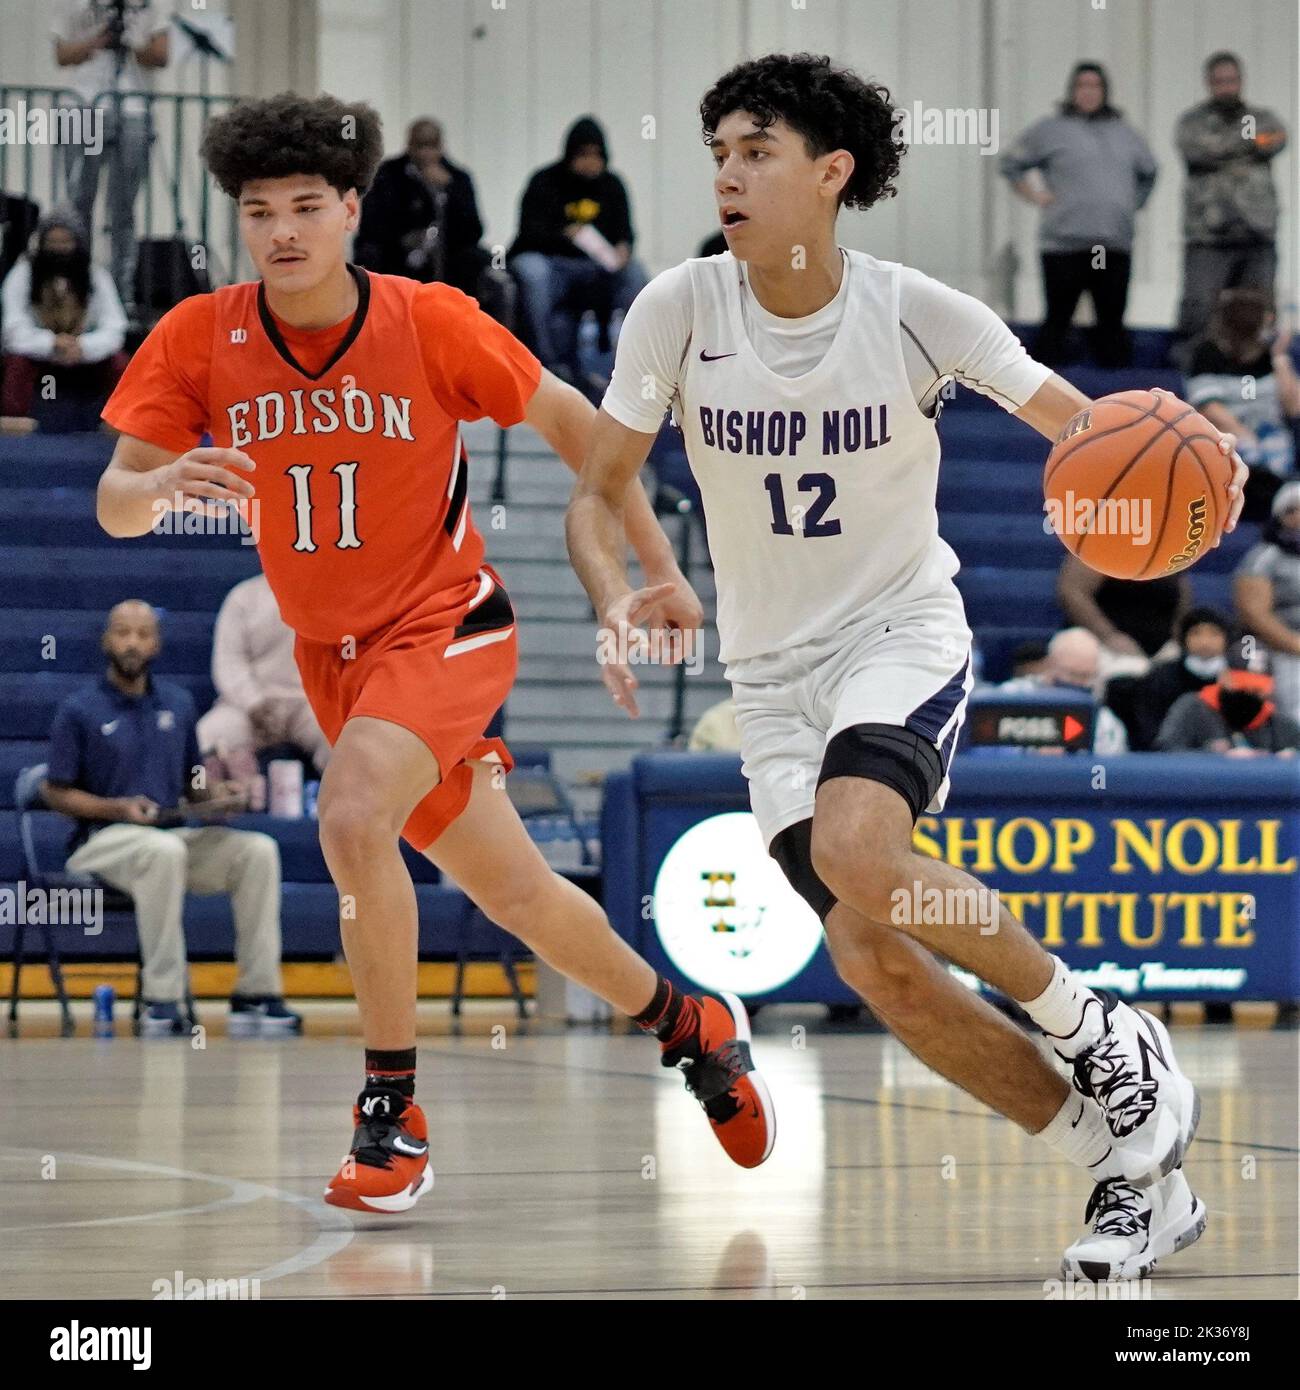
831, 107
288, 134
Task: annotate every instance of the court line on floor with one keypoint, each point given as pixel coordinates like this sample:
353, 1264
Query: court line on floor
778, 1288
822, 1095
335, 1233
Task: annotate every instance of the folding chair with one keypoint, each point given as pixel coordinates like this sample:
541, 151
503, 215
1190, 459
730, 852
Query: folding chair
28, 803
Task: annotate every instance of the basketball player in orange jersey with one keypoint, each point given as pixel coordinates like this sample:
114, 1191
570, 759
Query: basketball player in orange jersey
335, 398
807, 381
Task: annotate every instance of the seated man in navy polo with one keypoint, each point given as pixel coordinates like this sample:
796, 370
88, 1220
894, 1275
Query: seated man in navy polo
123, 753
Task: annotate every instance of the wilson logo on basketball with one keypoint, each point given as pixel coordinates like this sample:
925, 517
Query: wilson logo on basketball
1195, 532
1077, 425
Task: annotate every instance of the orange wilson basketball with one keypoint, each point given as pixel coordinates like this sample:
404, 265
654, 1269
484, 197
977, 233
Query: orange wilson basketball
1136, 485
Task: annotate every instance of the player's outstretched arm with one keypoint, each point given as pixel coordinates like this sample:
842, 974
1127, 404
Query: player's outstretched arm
594, 528
595, 522
1052, 406
564, 418
143, 480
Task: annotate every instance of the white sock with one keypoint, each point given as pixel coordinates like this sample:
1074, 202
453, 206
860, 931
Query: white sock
1062, 1011
1078, 1132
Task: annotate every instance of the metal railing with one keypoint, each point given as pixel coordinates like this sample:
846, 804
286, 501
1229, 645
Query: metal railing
177, 197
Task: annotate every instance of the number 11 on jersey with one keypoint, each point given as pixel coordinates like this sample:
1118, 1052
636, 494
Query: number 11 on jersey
301, 475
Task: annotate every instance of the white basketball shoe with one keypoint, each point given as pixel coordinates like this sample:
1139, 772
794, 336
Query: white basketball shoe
1151, 1108
1133, 1227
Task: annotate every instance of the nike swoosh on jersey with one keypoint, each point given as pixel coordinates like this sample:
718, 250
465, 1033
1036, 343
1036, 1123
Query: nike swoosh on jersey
715, 356
109, 727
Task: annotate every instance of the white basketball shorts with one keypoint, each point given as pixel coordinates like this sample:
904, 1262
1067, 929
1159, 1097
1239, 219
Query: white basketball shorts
911, 669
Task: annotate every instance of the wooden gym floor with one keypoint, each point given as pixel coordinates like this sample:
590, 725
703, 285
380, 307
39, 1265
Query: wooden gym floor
569, 1164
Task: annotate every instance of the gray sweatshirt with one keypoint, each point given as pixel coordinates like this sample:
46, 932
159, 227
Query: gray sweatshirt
1100, 172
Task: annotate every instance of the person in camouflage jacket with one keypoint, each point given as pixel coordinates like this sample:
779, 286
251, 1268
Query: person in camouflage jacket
1229, 202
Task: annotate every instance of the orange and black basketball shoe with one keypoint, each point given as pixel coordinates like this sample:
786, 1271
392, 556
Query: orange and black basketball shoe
388, 1168
714, 1058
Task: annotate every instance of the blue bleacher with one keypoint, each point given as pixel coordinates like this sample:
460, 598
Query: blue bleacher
62, 573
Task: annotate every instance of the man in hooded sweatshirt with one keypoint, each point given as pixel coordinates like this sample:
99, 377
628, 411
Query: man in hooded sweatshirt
555, 254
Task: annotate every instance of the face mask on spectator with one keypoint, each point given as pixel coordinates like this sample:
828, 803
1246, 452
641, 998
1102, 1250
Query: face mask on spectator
1205, 667
1239, 707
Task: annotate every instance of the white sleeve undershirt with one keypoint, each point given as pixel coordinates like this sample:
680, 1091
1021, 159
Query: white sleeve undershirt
946, 335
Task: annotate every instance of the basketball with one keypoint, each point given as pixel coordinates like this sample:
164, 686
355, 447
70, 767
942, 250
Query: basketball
1136, 485
393, 781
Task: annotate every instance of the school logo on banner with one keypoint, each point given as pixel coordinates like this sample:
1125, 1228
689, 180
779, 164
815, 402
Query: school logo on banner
726, 916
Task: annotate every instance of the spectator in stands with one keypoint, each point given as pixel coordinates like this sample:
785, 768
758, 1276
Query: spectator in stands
260, 699
62, 318
1266, 591
19, 217
1134, 620
101, 60
124, 759
575, 238
1073, 664
1028, 659
1097, 171
716, 730
1235, 714
1229, 202
1141, 702
1242, 379
421, 219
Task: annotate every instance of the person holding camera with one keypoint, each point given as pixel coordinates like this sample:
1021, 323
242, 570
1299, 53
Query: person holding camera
110, 51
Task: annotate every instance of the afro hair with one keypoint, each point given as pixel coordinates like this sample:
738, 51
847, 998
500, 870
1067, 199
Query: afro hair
831, 107
283, 135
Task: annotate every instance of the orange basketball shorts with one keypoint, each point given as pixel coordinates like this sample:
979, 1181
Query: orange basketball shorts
441, 675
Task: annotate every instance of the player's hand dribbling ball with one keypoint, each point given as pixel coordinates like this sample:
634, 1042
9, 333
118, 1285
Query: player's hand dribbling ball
1137, 485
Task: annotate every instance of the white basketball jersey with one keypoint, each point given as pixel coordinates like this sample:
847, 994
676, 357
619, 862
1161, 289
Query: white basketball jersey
819, 490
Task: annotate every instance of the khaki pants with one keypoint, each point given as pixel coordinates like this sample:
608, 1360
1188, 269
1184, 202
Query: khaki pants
158, 867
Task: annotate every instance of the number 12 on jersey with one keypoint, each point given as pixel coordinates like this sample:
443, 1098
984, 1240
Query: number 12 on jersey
815, 521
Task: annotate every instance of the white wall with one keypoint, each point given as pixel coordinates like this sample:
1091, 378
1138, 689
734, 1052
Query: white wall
1153, 50
507, 76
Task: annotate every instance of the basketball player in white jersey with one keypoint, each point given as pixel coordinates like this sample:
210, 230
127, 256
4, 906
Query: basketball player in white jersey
806, 380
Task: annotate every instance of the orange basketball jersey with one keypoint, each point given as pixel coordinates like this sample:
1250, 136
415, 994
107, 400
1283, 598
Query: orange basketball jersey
361, 510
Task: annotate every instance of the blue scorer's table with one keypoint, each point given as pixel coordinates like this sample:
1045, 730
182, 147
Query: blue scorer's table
1160, 876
